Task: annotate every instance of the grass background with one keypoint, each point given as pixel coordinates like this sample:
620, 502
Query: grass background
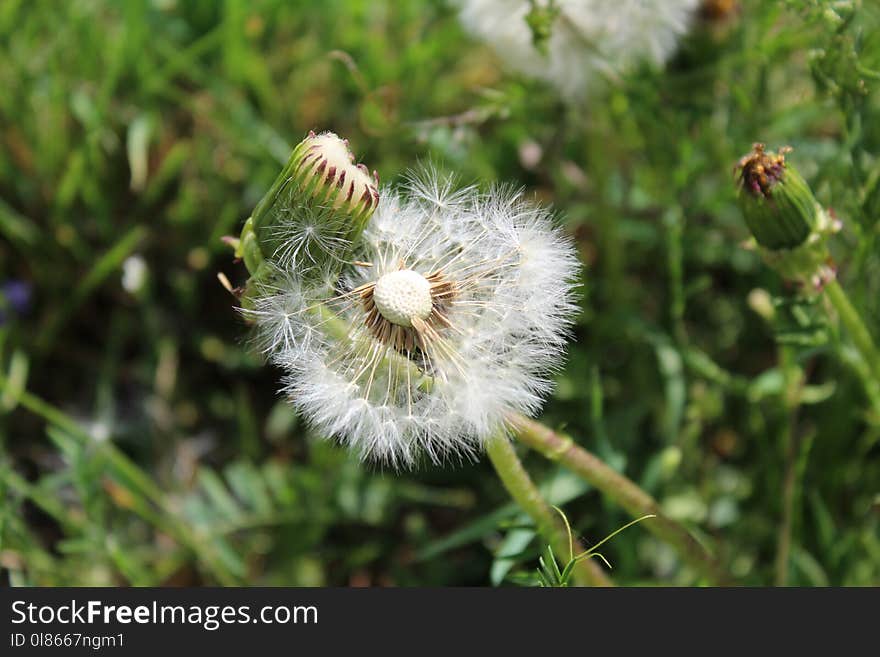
141, 443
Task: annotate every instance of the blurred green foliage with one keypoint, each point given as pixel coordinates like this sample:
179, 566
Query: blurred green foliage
152, 448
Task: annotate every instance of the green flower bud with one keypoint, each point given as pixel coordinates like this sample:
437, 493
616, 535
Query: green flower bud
788, 224
777, 204
316, 209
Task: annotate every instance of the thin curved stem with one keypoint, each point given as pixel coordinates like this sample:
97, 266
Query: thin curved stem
859, 333
524, 492
619, 489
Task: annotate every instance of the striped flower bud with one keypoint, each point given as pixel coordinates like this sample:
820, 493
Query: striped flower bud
325, 168
316, 210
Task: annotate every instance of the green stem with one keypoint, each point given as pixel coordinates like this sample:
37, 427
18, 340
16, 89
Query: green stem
620, 490
851, 319
524, 492
791, 446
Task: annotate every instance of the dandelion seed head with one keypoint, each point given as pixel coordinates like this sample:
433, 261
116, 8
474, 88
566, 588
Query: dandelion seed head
453, 313
589, 40
402, 297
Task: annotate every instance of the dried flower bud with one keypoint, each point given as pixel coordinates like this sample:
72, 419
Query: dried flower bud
777, 204
787, 222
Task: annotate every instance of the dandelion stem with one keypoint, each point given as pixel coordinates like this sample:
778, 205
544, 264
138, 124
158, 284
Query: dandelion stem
524, 492
851, 319
620, 490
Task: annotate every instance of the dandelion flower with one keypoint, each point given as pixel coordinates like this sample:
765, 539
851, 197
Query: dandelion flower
453, 315
574, 44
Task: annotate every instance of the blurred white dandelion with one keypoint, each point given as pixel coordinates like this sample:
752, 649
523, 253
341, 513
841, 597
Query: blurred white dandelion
589, 41
454, 314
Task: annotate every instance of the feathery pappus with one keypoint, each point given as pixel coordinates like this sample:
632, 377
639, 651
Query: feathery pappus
453, 312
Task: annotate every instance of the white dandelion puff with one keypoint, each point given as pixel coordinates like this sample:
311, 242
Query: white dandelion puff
454, 314
316, 233
589, 40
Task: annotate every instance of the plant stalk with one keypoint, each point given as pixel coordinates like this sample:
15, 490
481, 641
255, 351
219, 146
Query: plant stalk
621, 490
524, 492
859, 333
